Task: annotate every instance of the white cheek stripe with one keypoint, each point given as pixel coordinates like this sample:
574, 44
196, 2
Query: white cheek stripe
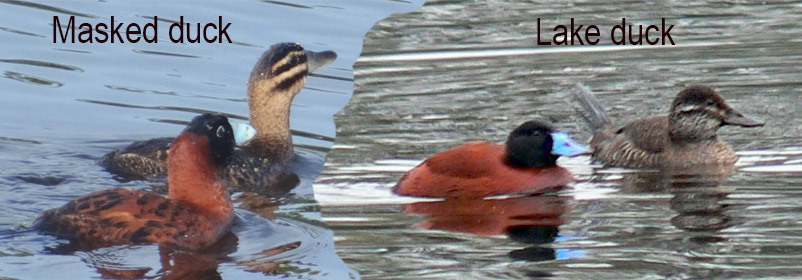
688, 108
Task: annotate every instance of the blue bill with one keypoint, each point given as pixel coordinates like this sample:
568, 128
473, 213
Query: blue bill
564, 145
242, 132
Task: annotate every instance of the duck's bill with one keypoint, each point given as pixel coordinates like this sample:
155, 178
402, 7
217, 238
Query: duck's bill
564, 145
242, 132
735, 118
316, 60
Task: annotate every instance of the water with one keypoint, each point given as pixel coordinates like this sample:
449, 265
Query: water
458, 71
65, 105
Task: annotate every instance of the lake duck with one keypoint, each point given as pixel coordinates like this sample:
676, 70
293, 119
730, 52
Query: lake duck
527, 163
196, 212
264, 160
684, 138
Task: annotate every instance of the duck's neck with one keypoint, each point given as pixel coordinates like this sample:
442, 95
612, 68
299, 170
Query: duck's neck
194, 179
270, 115
692, 127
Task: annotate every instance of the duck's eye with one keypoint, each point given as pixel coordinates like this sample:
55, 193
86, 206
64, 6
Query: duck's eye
536, 133
710, 103
221, 131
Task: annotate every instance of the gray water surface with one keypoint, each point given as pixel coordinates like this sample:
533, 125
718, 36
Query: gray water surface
65, 105
458, 71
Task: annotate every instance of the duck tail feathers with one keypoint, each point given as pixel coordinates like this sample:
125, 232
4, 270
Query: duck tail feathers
591, 110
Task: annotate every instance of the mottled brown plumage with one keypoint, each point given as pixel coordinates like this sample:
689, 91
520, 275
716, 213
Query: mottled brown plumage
125, 216
197, 212
262, 164
140, 160
685, 138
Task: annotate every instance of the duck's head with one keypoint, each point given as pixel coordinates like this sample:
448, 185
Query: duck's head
275, 80
536, 143
218, 134
283, 68
699, 111
195, 164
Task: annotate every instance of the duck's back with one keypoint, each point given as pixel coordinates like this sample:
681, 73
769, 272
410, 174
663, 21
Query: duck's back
125, 216
477, 169
645, 143
140, 160
249, 169
271, 175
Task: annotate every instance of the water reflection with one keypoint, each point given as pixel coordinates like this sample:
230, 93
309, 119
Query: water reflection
696, 194
476, 69
491, 216
80, 101
700, 210
120, 262
31, 79
531, 220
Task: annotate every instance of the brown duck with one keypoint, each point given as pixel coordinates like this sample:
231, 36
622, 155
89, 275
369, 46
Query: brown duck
262, 162
196, 212
685, 138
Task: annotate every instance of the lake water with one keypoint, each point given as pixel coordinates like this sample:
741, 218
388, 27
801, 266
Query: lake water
457, 71
65, 105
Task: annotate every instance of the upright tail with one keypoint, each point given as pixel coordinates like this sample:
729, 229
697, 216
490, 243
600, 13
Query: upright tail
592, 111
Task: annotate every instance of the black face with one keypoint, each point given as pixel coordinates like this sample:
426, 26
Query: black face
219, 132
530, 144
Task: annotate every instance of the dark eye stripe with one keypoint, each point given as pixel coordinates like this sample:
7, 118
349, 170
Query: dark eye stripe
287, 83
294, 61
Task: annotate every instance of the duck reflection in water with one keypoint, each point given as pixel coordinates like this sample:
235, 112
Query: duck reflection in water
141, 261
682, 148
173, 263
533, 220
486, 217
697, 194
466, 174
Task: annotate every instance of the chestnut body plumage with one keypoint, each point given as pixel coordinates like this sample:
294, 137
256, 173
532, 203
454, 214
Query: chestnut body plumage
525, 164
196, 212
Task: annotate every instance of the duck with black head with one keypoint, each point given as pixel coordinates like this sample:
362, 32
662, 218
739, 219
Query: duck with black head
686, 137
527, 163
263, 161
196, 213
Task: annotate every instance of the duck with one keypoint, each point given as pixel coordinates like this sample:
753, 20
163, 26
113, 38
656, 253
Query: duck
262, 161
196, 213
684, 139
525, 164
